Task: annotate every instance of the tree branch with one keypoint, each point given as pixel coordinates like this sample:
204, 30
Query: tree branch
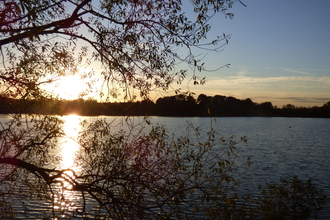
40, 30
28, 166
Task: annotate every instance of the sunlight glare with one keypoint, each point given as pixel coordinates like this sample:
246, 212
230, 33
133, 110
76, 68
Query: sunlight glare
70, 145
66, 199
70, 87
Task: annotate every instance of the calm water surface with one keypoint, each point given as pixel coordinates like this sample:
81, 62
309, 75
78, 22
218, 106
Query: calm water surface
278, 147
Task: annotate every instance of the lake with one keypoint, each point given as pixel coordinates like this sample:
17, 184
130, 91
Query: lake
278, 147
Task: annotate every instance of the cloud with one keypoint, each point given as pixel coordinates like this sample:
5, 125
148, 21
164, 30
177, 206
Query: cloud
242, 73
296, 71
305, 99
264, 81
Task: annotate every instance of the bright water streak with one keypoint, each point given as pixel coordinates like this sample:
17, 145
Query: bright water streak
67, 200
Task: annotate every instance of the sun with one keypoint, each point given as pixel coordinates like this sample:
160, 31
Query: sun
73, 86
70, 87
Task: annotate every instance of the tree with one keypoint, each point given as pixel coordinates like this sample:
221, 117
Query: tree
135, 44
127, 174
178, 105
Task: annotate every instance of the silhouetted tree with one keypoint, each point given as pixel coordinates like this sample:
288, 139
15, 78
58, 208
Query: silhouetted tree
178, 105
265, 109
134, 45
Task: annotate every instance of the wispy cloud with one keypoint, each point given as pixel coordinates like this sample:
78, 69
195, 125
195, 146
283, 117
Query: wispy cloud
243, 80
242, 73
305, 99
297, 71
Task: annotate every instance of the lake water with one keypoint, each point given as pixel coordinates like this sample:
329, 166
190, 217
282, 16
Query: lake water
278, 147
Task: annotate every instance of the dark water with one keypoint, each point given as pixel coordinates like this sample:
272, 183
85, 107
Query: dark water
278, 147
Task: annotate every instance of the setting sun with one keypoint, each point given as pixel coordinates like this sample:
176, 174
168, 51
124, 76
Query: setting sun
70, 87
74, 86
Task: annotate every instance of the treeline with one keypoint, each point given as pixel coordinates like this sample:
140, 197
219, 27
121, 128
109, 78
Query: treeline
179, 105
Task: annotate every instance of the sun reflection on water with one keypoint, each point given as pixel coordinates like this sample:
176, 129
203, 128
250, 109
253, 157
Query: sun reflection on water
65, 200
69, 147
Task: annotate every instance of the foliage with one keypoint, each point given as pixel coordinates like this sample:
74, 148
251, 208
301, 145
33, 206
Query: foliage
133, 175
133, 46
152, 176
134, 43
291, 199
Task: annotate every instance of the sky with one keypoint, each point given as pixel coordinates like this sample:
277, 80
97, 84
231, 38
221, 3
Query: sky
279, 52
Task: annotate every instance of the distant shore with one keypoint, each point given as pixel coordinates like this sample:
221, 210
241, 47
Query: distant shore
178, 106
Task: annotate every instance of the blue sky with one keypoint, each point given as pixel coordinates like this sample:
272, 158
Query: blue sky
279, 52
